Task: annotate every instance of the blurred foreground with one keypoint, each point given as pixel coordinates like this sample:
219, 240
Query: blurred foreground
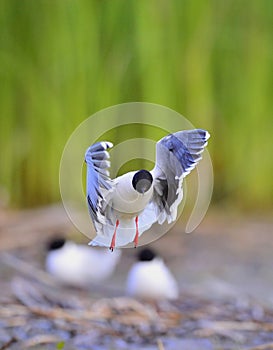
224, 271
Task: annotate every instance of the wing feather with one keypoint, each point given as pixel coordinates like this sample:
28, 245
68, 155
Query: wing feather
98, 182
176, 155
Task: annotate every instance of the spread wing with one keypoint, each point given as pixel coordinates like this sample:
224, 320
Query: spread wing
176, 155
98, 183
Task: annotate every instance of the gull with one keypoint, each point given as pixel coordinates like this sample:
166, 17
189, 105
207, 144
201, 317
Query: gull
123, 208
79, 265
150, 278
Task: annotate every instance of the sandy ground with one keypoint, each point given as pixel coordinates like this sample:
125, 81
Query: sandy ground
227, 258
224, 257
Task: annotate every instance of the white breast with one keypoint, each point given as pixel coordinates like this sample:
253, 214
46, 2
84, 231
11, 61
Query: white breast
151, 279
126, 199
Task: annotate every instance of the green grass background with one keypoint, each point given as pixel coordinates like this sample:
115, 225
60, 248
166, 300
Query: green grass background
209, 60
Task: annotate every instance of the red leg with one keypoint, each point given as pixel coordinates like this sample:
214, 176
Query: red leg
137, 233
113, 242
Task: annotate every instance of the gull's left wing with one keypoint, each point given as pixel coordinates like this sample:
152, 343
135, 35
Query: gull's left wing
176, 155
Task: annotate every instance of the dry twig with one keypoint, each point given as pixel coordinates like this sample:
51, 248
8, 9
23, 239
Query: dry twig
268, 346
40, 339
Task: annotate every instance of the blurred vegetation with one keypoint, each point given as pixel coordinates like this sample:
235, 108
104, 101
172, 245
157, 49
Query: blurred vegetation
209, 60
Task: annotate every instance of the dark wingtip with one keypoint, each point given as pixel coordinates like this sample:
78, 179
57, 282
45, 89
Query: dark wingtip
203, 133
146, 254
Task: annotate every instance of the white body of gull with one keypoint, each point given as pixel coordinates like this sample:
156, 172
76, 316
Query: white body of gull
149, 278
123, 208
79, 265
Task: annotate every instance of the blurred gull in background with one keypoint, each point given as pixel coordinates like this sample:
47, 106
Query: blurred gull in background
150, 278
79, 265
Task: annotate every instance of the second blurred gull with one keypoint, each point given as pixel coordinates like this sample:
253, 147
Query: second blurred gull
79, 265
150, 278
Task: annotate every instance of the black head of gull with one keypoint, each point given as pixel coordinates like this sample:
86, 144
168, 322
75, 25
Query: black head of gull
56, 243
146, 255
142, 181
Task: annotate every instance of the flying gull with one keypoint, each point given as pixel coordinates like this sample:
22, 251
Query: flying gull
123, 208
